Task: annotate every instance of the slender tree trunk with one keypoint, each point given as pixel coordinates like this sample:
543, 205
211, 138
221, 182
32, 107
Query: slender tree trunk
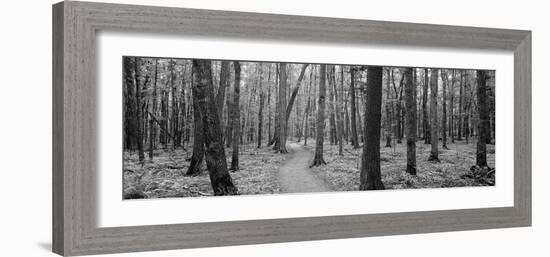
236, 117
425, 121
370, 177
203, 95
318, 159
460, 105
275, 139
434, 155
261, 108
388, 107
452, 113
282, 112
151, 124
331, 100
340, 111
130, 137
354, 136
444, 103
410, 119
137, 75
483, 110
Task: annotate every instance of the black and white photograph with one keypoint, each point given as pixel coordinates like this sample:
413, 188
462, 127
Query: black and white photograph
195, 128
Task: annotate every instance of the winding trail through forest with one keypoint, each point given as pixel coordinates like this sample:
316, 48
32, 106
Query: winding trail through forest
295, 175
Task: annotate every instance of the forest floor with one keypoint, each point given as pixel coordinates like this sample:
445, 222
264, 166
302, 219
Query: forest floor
454, 169
262, 171
164, 176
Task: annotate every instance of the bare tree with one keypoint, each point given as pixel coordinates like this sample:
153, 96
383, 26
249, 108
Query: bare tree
445, 79
236, 117
425, 117
434, 155
318, 159
282, 100
354, 136
203, 95
483, 111
139, 127
410, 120
371, 177
339, 111
154, 109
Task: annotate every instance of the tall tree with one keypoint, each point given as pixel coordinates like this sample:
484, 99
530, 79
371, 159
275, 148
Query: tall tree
139, 127
388, 108
318, 159
339, 111
410, 120
130, 124
154, 107
371, 177
460, 105
434, 155
483, 111
282, 112
451, 111
261, 107
236, 117
331, 105
354, 136
445, 79
425, 118
198, 131
203, 95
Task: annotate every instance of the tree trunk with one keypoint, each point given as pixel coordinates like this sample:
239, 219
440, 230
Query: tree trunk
388, 107
198, 139
225, 75
370, 177
130, 124
354, 136
425, 121
444, 103
434, 155
452, 112
410, 120
282, 112
151, 123
139, 115
236, 117
229, 124
460, 107
261, 108
340, 111
318, 159
203, 94
483, 110
331, 108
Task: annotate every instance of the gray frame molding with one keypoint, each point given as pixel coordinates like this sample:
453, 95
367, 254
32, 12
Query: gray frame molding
74, 114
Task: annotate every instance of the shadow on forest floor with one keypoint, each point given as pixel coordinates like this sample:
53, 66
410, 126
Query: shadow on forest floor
259, 170
164, 176
453, 170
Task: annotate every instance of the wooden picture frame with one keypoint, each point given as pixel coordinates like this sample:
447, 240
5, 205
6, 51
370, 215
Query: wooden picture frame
74, 130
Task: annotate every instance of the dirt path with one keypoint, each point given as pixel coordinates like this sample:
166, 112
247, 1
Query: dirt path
295, 175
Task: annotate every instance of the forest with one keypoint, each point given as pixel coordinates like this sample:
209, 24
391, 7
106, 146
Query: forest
194, 127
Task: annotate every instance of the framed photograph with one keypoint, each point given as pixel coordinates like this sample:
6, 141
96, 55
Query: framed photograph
183, 128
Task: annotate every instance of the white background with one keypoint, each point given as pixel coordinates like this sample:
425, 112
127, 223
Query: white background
25, 128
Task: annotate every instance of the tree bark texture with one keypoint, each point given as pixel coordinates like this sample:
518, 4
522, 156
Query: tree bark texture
203, 94
370, 176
